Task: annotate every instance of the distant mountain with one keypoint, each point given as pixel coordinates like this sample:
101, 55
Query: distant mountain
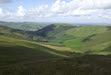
26, 26
92, 24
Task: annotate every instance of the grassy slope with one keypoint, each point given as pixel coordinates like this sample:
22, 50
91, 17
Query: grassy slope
55, 33
98, 44
62, 49
85, 65
80, 33
58, 48
15, 51
15, 33
20, 57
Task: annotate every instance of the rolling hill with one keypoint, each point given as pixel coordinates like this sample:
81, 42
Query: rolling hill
54, 33
81, 33
15, 51
98, 44
59, 49
20, 57
73, 36
15, 33
26, 26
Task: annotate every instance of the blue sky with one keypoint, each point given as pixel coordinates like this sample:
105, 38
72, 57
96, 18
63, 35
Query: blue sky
68, 11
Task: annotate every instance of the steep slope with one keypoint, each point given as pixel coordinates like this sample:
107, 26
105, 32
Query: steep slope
15, 51
98, 44
26, 26
15, 33
81, 33
54, 33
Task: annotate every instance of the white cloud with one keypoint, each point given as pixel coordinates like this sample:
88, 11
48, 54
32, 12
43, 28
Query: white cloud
79, 7
38, 10
21, 11
1, 11
76, 8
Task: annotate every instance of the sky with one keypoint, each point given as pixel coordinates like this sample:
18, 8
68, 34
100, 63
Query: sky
63, 11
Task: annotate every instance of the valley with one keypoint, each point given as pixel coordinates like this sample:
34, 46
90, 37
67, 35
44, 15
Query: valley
56, 49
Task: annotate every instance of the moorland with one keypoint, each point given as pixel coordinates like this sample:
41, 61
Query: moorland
28, 48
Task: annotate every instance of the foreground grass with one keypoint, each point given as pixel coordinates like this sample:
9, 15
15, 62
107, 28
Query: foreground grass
84, 65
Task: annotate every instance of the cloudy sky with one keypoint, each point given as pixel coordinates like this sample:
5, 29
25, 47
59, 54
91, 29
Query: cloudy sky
70, 11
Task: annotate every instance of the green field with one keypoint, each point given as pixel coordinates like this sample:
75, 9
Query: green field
74, 43
81, 33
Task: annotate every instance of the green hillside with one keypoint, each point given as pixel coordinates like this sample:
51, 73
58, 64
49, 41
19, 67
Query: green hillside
59, 49
81, 33
15, 33
15, 51
72, 36
85, 65
98, 44
54, 33
26, 26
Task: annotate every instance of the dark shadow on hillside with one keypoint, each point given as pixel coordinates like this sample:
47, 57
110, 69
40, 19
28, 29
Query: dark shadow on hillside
16, 54
88, 38
83, 65
43, 32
